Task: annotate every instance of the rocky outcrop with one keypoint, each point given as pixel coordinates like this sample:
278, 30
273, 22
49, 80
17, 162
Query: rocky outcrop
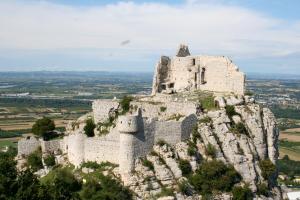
241, 140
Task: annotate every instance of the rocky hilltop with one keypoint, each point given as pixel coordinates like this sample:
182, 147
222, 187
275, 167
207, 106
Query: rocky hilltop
182, 142
237, 132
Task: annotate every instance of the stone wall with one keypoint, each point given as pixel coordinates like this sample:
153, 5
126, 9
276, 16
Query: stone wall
153, 110
104, 148
102, 107
28, 145
188, 73
175, 131
52, 145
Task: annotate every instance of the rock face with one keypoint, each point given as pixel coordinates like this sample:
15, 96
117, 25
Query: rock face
244, 150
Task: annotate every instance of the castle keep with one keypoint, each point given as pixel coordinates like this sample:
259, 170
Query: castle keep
184, 72
151, 118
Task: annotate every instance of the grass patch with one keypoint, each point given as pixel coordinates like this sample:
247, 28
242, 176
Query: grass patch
163, 109
148, 164
210, 150
208, 103
239, 128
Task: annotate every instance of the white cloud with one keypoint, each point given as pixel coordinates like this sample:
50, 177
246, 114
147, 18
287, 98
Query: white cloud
207, 28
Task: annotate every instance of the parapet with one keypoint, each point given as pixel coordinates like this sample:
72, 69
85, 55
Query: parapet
128, 124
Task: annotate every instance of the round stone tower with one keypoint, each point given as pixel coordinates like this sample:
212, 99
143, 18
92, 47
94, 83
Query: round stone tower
75, 148
128, 126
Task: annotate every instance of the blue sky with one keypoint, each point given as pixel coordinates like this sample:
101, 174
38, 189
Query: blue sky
259, 35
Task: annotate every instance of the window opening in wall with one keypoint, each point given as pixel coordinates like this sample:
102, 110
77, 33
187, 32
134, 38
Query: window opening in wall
171, 85
203, 81
194, 61
163, 87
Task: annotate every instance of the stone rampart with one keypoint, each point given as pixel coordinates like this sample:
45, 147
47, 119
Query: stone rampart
28, 145
102, 107
51, 146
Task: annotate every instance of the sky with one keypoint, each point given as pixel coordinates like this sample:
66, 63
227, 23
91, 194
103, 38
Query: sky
92, 35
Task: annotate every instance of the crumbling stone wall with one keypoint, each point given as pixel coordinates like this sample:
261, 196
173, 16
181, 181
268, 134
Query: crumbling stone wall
188, 73
102, 107
28, 145
52, 145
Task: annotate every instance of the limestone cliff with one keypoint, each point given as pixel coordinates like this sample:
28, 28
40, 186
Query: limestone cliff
239, 133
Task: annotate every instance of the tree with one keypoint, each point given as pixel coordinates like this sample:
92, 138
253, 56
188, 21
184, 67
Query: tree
28, 186
242, 193
63, 185
43, 126
8, 174
34, 160
89, 128
50, 160
214, 175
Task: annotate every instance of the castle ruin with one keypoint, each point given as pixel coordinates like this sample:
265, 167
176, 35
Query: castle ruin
187, 73
151, 118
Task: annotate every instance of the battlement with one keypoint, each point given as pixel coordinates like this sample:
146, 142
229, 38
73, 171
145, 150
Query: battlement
128, 124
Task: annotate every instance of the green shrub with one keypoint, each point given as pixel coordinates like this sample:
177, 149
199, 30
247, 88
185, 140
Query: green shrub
94, 165
165, 192
210, 150
163, 109
105, 188
148, 164
185, 167
242, 193
230, 111
49, 160
125, 103
195, 134
208, 103
184, 188
43, 126
161, 142
239, 128
267, 168
89, 128
34, 160
214, 176
262, 189
192, 149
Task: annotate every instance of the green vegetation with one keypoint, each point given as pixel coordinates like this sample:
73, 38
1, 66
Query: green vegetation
89, 128
249, 93
262, 189
242, 193
165, 192
163, 109
125, 103
192, 149
7, 143
288, 167
43, 127
195, 134
210, 150
97, 166
291, 146
267, 168
214, 176
239, 128
185, 167
59, 184
161, 142
148, 164
290, 113
103, 127
230, 111
10, 134
49, 160
208, 102
104, 187
34, 160
184, 188
206, 120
